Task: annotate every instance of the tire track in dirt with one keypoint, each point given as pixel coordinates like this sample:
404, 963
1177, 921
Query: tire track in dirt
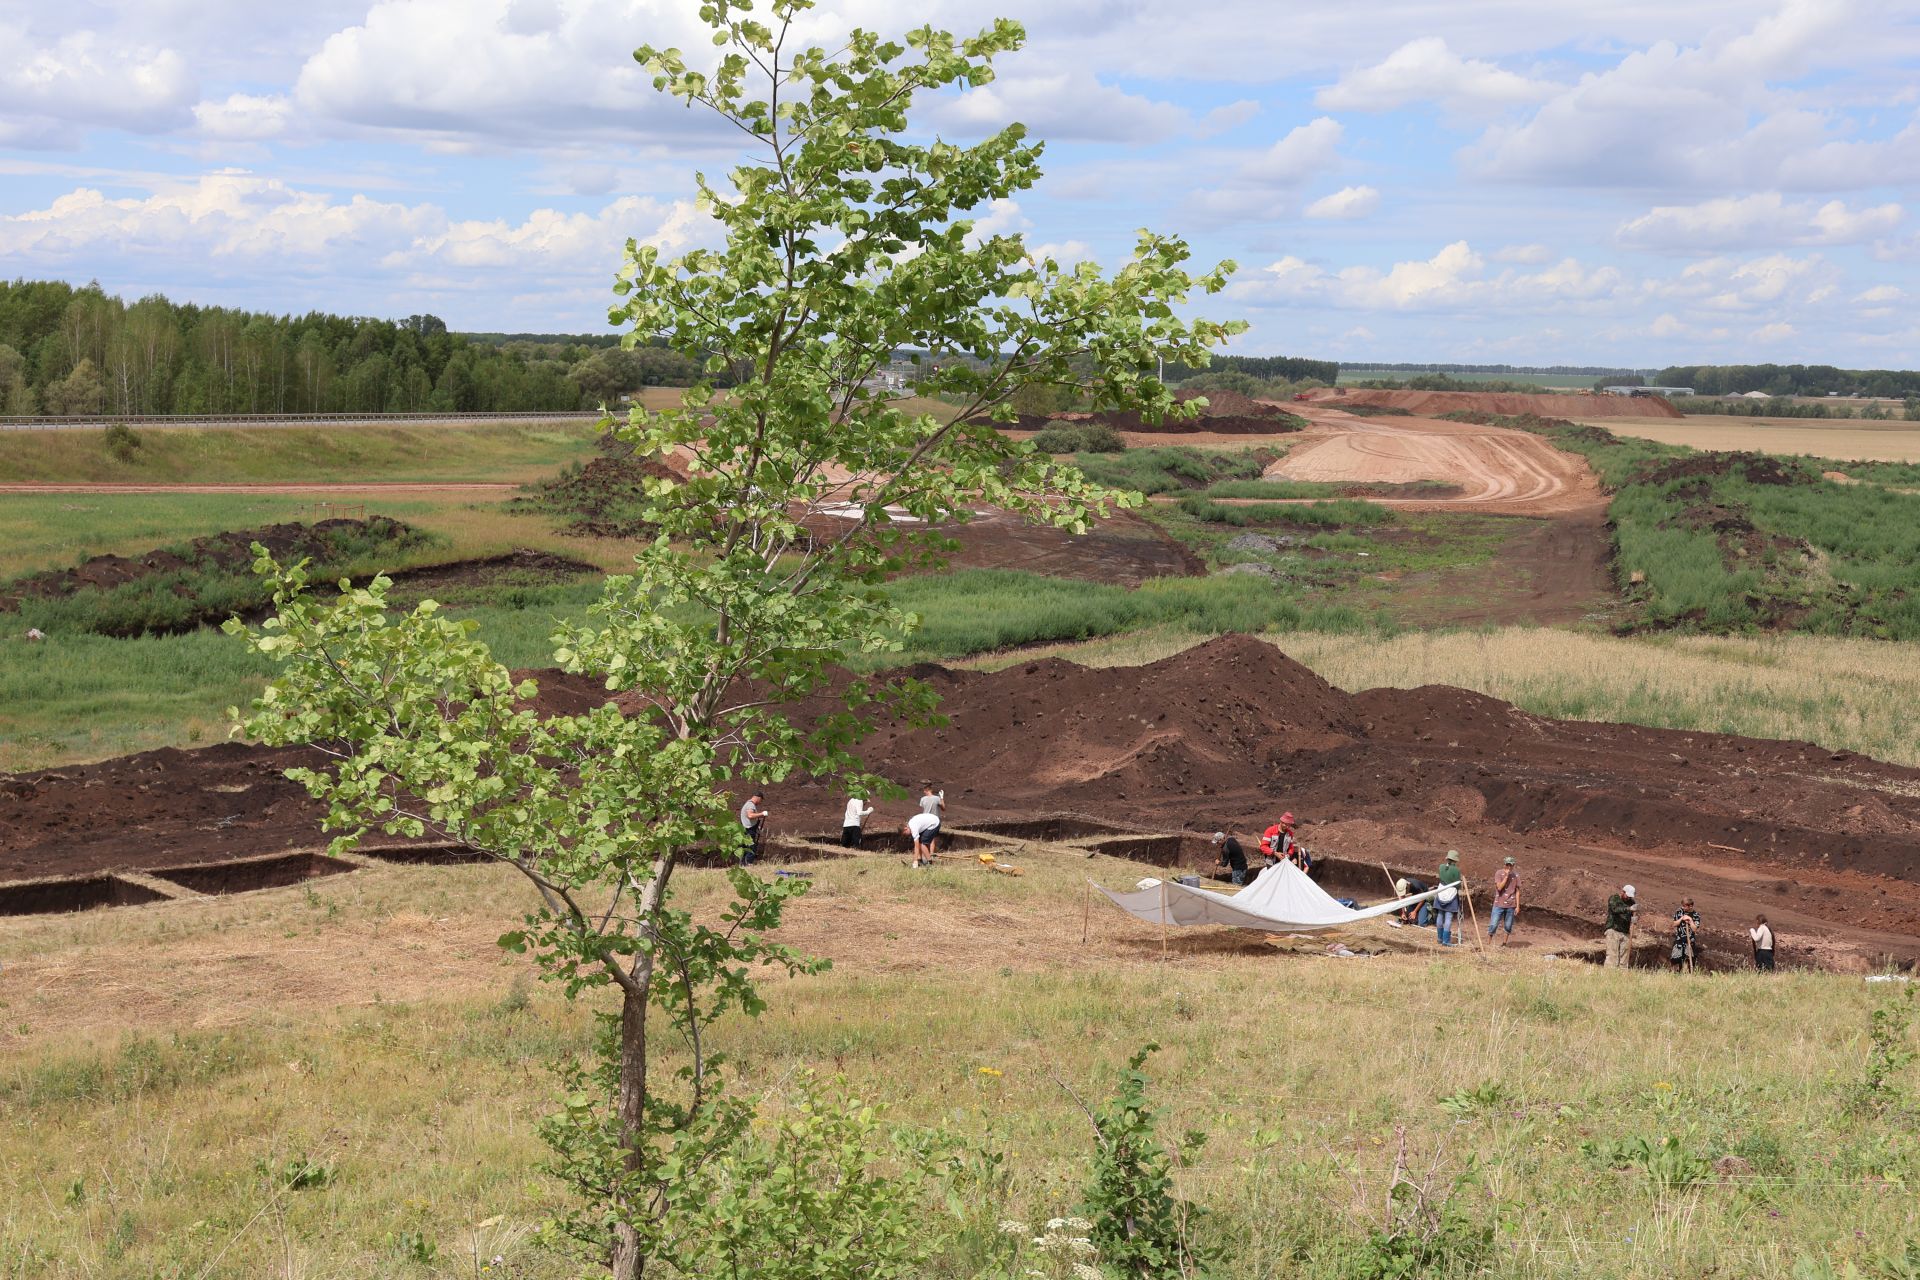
1496, 469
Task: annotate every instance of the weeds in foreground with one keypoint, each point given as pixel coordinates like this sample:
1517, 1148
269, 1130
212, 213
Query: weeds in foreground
1889, 1053
1140, 1229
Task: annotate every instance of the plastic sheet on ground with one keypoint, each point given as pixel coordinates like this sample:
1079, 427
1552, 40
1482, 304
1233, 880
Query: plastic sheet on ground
1281, 899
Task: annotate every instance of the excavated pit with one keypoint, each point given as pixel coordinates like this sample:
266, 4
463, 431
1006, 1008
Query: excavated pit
1065, 826
59, 897
427, 855
249, 874
950, 842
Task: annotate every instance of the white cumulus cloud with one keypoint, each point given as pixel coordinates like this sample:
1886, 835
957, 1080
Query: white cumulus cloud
254, 222
244, 117
1706, 115
1266, 184
1426, 70
50, 93
1348, 202
1765, 219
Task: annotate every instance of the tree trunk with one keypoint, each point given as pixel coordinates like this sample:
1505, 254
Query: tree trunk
629, 1257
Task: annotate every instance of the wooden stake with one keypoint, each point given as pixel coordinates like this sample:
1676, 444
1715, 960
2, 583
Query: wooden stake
1086, 916
1479, 941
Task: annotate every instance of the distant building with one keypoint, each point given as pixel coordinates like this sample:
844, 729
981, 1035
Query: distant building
1648, 391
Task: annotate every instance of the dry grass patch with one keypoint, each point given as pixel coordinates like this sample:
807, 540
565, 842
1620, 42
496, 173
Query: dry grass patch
1810, 437
370, 1028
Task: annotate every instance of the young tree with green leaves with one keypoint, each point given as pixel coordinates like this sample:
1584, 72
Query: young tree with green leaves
847, 238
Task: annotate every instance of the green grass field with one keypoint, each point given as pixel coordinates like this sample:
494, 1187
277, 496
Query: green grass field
1575, 1122
467, 453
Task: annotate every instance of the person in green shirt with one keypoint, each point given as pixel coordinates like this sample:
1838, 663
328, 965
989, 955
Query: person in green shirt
1446, 908
1620, 912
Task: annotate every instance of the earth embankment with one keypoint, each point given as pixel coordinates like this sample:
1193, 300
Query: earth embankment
1224, 736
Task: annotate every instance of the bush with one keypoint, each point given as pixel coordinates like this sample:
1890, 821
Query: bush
828, 1192
122, 442
1335, 514
1141, 1230
1079, 437
1170, 468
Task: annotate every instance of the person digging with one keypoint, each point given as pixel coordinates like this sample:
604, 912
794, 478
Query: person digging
1231, 856
1621, 909
753, 822
1506, 902
1762, 936
1446, 907
923, 829
858, 811
1686, 936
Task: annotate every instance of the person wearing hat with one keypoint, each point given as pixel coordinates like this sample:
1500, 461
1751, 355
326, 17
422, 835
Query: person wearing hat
1620, 912
1686, 936
1232, 856
1446, 907
1506, 901
1415, 914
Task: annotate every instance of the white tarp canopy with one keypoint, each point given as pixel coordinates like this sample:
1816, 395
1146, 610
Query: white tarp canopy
1280, 900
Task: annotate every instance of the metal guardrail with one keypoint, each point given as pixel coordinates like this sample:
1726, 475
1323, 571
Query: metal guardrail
44, 423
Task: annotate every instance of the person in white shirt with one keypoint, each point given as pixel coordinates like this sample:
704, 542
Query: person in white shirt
753, 821
1762, 935
857, 813
924, 828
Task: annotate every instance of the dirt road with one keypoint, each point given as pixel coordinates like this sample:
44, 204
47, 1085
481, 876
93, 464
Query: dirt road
397, 488
1497, 470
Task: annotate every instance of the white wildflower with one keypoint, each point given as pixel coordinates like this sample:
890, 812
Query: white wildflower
1054, 1224
1082, 1246
1011, 1228
1081, 1271
1079, 1224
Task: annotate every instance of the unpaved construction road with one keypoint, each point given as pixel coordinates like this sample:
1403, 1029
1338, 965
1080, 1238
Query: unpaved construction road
1497, 470
400, 487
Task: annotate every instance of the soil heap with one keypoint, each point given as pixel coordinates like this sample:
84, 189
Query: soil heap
1223, 735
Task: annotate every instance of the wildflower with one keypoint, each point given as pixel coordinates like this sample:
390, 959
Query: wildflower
1054, 1224
1661, 1084
1011, 1228
990, 1073
1082, 1246
1079, 1224
1081, 1271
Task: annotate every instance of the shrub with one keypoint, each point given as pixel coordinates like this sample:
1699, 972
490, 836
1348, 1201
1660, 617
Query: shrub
829, 1192
1333, 514
1079, 437
122, 442
1171, 468
1141, 1230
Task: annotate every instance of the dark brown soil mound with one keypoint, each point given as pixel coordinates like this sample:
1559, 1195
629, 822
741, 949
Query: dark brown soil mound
1208, 719
1223, 735
513, 568
231, 551
1754, 468
602, 499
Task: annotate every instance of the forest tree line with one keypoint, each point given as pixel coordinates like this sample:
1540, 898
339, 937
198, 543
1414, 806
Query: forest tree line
67, 349
1790, 380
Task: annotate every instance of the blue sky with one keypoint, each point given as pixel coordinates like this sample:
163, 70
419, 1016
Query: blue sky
1632, 183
